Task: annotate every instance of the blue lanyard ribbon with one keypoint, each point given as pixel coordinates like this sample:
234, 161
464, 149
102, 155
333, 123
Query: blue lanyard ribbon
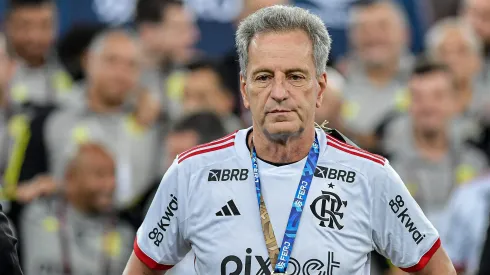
298, 203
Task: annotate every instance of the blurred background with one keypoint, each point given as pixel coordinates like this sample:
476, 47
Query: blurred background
97, 97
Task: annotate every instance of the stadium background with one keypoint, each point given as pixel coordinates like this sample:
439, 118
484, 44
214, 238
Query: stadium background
181, 116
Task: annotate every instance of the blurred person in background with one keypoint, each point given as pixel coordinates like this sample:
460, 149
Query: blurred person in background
8, 243
207, 88
168, 34
477, 12
77, 231
113, 71
331, 108
31, 27
378, 70
428, 153
467, 234
73, 49
453, 42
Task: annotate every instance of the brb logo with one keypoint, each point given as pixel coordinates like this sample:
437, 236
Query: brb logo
327, 208
233, 265
228, 174
335, 174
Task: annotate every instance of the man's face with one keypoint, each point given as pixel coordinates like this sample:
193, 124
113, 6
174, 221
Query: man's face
178, 34
31, 30
432, 101
378, 35
178, 142
281, 88
94, 179
478, 14
114, 70
203, 92
457, 53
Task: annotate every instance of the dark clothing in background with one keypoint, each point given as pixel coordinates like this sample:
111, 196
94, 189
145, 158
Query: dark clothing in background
9, 260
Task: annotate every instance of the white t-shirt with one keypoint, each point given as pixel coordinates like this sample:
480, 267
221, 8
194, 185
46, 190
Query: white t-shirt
356, 204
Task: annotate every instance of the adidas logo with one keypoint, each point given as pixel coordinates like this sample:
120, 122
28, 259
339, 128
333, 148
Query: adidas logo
229, 209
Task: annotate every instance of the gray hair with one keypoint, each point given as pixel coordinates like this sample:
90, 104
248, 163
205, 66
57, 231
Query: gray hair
400, 12
97, 43
436, 34
282, 19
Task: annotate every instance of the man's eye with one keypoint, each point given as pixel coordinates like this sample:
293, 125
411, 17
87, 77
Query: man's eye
296, 77
262, 78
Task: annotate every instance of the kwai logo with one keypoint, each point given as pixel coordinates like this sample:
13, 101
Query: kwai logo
404, 217
234, 265
155, 235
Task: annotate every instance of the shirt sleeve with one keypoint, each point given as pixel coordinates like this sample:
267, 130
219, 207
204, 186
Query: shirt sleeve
400, 230
160, 242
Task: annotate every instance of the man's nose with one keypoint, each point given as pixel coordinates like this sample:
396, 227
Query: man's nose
279, 92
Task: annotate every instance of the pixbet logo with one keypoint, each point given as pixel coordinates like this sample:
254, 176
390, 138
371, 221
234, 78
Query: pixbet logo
234, 265
396, 205
228, 174
155, 235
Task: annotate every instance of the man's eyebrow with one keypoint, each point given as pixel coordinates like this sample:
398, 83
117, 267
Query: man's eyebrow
295, 70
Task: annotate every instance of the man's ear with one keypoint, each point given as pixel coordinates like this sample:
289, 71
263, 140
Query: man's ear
322, 84
243, 91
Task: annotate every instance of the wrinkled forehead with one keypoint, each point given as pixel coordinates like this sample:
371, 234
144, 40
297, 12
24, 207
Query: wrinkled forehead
281, 51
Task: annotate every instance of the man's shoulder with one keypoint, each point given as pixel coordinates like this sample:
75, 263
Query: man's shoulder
344, 153
220, 150
347, 152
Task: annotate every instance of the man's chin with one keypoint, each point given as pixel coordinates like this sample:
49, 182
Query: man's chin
282, 131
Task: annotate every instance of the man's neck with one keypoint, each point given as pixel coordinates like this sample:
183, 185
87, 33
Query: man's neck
382, 75
95, 104
432, 146
292, 150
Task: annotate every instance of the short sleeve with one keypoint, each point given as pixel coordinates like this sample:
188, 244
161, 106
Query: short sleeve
160, 242
400, 230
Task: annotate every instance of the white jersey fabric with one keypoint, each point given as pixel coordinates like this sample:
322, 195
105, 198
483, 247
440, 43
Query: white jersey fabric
356, 204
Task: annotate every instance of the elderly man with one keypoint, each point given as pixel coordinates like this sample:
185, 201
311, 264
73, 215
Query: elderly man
455, 44
228, 200
379, 69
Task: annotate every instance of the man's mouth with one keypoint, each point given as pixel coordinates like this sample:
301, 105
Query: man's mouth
278, 111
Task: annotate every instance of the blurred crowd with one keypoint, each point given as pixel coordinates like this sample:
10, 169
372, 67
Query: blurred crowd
90, 121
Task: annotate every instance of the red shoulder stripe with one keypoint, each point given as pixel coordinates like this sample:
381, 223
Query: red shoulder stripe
355, 152
348, 146
425, 259
149, 262
206, 150
225, 138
